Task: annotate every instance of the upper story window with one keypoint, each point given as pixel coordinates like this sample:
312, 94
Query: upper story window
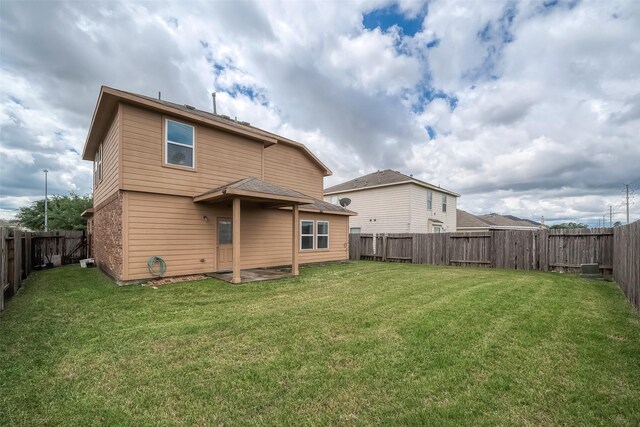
97, 166
444, 203
322, 235
179, 144
429, 199
306, 234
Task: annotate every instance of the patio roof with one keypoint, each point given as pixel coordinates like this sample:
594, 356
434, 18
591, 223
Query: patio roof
256, 189
87, 213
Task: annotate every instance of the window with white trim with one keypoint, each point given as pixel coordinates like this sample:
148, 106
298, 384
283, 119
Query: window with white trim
444, 203
355, 230
306, 234
97, 166
179, 144
322, 234
429, 199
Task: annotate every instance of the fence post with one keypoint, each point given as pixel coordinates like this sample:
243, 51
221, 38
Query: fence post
3, 265
413, 249
384, 247
17, 260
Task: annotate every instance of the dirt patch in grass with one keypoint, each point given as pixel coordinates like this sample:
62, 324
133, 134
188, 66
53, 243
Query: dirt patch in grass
170, 280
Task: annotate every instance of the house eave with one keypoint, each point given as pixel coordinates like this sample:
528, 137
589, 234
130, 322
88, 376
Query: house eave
421, 184
232, 193
109, 99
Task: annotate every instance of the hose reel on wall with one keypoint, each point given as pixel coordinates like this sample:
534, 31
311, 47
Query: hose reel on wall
157, 266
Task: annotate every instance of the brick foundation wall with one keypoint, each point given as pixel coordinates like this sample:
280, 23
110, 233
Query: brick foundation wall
107, 236
89, 237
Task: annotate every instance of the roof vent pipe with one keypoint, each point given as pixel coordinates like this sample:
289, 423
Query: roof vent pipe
159, 96
215, 110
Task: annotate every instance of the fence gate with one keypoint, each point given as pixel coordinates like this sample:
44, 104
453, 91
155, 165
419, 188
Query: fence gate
70, 246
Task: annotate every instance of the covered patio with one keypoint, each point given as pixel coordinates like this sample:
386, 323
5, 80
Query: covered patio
268, 196
255, 274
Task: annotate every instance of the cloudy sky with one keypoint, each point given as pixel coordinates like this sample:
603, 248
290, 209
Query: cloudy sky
527, 108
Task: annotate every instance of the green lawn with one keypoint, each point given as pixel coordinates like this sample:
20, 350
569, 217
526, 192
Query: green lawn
362, 343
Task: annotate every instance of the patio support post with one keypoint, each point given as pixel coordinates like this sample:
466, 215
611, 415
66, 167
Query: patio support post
236, 241
294, 243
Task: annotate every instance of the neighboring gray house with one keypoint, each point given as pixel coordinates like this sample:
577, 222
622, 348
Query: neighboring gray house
469, 222
391, 202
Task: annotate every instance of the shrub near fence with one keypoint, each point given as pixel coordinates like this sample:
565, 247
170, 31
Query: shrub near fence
22, 251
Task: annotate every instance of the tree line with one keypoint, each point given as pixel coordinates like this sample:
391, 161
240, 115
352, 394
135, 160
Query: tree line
63, 213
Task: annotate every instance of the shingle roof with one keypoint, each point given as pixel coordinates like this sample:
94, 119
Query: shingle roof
493, 220
385, 177
257, 185
465, 219
322, 206
507, 221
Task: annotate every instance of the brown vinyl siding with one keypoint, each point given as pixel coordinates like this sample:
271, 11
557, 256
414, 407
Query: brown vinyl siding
110, 164
266, 237
338, 235
220, 157
289, 167
173, 228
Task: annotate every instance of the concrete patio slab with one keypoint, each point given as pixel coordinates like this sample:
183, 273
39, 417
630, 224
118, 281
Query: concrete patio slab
254, 274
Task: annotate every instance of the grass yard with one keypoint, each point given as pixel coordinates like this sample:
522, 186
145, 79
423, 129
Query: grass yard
363, 343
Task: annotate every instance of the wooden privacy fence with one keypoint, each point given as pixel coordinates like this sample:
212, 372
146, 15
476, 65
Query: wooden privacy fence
22, 251
546, 250
616, 250
626, 262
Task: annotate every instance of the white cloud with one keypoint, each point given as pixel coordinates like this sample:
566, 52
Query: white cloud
370, 62
547, 99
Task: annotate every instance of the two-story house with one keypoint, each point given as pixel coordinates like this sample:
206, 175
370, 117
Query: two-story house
202, 192
391, 202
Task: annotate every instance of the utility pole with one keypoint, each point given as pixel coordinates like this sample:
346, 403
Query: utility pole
627, 186
603, 221
46, 227
610, 216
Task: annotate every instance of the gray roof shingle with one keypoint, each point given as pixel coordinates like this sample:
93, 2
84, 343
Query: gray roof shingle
465, 219
492, 220
507, 221
257, 185
384, 177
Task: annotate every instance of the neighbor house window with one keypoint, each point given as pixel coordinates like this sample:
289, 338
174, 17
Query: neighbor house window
97, 166
429, 199
179, 144
437, 229
322, 235
306, 234
444, 203
355, 230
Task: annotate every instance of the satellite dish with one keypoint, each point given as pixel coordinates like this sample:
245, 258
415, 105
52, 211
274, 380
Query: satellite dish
345, 202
